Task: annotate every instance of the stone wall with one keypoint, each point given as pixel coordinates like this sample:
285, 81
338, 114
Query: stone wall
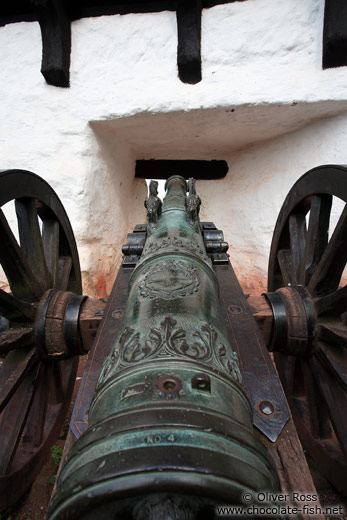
264, 104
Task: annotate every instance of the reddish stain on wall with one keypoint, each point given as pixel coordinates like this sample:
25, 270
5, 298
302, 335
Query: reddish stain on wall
252, 284
100, 286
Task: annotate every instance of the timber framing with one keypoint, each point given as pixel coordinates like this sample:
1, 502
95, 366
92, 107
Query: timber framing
189, 40
55, 17
335, 34
163, 168
56, 42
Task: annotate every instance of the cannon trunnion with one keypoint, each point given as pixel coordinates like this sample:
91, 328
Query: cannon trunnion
179, 370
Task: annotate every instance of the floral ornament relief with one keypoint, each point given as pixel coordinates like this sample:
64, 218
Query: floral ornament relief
169, 280
167, 340
177, 244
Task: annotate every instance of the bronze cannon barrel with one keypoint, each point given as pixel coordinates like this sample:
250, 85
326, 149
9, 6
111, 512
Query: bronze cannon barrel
170, 427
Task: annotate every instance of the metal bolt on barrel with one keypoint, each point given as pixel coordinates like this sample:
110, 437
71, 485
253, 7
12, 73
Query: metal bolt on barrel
170, 427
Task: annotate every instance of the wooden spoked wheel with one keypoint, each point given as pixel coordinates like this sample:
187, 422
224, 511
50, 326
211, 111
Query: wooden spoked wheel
308, 254
35, 393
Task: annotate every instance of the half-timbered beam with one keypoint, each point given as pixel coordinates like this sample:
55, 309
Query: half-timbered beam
163, 168
189, 40
335, 34
56, 42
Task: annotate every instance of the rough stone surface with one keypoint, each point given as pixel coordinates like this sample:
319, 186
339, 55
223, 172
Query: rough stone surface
264, 104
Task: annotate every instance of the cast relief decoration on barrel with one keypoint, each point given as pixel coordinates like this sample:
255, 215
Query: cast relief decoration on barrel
174, 244
171, 341
169, 280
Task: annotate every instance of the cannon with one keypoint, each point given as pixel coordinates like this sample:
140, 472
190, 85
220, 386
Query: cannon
180, 368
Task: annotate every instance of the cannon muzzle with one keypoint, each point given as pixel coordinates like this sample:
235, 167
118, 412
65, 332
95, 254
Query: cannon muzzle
170, 431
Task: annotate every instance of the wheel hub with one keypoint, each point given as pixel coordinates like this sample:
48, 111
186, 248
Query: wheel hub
57, 326
294, 323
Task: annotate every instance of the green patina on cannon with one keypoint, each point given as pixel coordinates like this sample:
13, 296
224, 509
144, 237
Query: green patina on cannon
178, 371
170, 426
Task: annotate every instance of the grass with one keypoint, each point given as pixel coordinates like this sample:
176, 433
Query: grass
56, 454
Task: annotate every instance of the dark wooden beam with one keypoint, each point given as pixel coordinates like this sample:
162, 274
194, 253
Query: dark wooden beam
24, 10
162, 169
189, 40
54, 17
56, 42
335, 34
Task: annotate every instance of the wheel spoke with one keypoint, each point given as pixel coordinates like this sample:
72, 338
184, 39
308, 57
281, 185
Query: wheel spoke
335, 360
298, 388
297, 233
286, 366
318, 412
64, 270
15, 310
13, 339
33, 434
50, 237
286, 266
34, 393
317, 235
333, 334
13, 419
335, 398
20, 277
31, 240
317, 385
335, 303
56, 393
327, 276
16, 365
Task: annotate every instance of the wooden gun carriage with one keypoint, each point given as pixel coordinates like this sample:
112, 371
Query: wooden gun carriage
47, 323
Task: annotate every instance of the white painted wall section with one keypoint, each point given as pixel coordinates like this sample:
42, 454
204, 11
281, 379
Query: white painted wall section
265, 105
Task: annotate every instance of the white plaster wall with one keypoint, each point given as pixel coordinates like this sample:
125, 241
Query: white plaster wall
254, 190
262, 82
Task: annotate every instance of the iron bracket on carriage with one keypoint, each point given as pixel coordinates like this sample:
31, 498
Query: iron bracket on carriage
179, 377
